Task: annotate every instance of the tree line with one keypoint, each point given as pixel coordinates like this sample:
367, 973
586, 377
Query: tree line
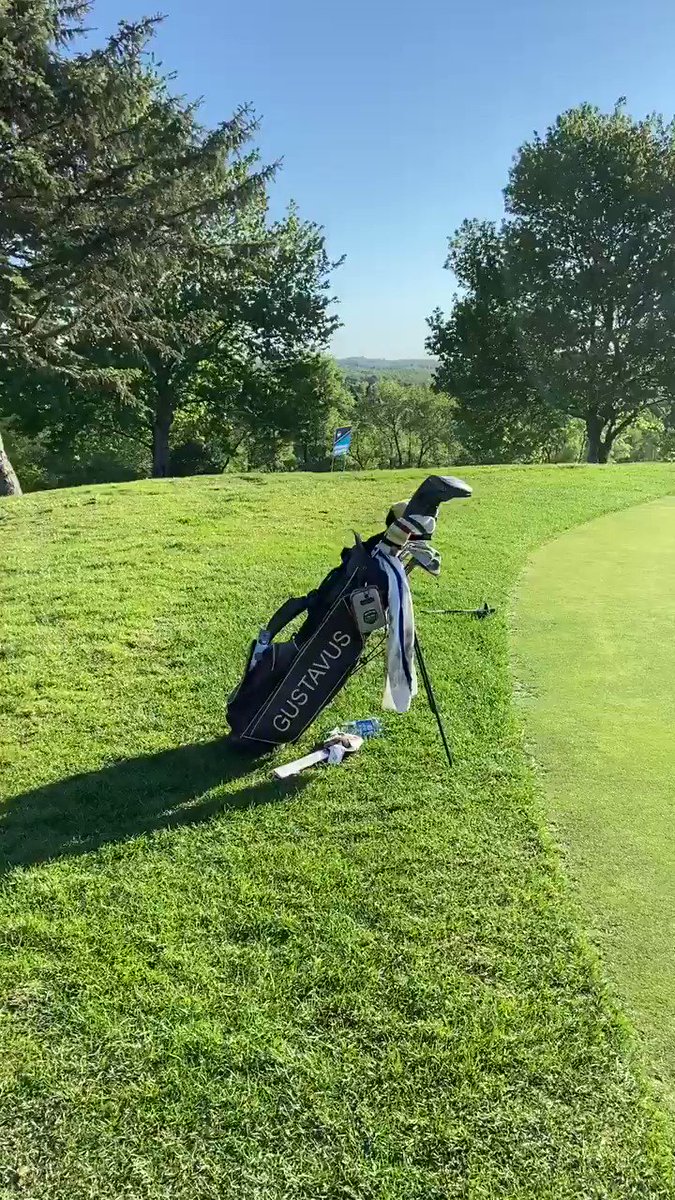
155, 319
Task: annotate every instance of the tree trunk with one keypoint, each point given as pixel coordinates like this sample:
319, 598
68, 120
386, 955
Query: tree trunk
9, 483
594, 438
599, 447
160, 447
161, 429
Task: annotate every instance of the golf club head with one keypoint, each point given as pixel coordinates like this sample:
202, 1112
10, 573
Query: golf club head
424, 556
435, 490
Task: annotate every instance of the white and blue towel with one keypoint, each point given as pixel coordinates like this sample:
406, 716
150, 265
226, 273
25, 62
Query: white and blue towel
401, 684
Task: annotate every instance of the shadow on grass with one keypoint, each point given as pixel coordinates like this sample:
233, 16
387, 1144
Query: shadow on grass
135, 796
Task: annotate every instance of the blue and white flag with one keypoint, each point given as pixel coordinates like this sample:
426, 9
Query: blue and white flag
342, 440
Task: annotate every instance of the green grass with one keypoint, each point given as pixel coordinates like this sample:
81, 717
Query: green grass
371, 986
594, 636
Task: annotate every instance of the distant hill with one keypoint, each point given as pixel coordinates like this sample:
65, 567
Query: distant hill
428, 365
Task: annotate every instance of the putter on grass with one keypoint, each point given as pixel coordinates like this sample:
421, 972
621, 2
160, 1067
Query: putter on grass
286, 685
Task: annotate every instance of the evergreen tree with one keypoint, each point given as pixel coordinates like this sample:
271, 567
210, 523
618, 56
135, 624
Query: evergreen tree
105, 181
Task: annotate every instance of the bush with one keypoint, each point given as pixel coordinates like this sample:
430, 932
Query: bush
197, 457
91, 458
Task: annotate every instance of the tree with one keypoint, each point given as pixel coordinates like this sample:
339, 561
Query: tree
389, 413
251, 320
399, 423
89, 455
283, 417
501, 416
585, 261
105, 179
432, 436
9, 484
269, 414
240, 355
323, 402
241, 328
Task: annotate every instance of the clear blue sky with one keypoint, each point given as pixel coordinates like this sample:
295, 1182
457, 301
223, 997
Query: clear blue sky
395, 125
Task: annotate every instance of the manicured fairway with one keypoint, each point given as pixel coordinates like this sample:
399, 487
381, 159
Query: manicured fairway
369, 986
594, 635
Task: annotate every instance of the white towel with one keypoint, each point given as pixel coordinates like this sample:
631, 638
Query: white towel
401, 684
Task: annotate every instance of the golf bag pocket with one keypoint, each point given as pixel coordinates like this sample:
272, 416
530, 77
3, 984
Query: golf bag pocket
289, 686
259, 684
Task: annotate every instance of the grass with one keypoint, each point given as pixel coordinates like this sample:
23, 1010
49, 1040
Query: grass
594, 635
371, 986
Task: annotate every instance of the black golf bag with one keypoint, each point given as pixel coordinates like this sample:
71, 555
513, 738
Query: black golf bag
291, 682
286, 685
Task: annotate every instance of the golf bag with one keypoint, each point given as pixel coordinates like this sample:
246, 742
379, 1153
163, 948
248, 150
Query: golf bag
286, 685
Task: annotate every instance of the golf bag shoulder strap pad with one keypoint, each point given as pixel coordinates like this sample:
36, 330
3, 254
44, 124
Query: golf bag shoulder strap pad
292, 608
288, 611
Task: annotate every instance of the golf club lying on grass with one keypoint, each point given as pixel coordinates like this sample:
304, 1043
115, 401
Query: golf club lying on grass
286, 685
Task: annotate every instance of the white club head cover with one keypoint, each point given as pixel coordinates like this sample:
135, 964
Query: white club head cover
404, 529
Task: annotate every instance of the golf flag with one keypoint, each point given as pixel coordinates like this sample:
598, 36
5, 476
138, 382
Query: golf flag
342, 440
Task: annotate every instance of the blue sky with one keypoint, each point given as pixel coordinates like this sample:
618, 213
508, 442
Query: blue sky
395, 124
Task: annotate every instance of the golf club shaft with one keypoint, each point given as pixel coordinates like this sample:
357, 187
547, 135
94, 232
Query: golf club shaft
484, 611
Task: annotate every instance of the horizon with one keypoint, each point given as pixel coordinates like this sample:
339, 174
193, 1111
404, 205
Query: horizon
394, 127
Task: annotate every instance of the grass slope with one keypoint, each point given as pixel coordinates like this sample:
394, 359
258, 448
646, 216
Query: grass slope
368, 987
594, 637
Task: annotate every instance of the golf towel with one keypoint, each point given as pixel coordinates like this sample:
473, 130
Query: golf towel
401, 684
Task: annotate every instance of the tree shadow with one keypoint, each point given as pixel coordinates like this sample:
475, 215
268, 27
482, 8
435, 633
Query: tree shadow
184, 786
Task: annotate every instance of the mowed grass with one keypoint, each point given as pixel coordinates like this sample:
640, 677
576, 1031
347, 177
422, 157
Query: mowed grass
370, 985
594, 639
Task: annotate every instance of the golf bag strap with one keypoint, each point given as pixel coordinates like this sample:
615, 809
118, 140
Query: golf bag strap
288, 611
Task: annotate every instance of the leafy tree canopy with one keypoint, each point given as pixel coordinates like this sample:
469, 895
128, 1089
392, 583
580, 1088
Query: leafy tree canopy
568, 307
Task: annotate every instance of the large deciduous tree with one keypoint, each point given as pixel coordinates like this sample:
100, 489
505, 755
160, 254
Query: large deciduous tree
500, 415
573, 309
240, 318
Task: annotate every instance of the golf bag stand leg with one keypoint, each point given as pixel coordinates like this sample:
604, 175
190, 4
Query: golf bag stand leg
431, 698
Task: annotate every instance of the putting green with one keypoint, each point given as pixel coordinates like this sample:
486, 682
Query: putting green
594, 654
